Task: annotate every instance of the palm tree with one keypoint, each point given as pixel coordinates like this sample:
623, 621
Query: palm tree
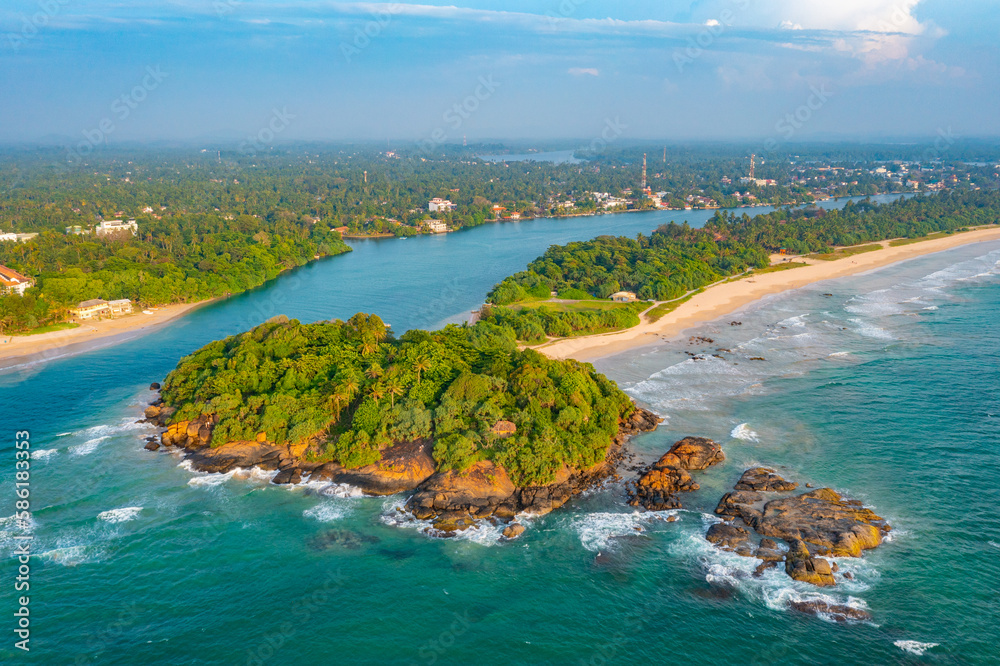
421, 364
377, 392
374, 371
368, 346
393, 388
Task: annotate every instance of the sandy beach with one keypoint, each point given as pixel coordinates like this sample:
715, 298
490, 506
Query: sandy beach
17, 349
727, 297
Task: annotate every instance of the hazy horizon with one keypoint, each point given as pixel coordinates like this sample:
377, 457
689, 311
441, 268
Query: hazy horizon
717, 70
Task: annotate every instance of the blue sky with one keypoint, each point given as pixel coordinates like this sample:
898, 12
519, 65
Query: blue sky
710, 69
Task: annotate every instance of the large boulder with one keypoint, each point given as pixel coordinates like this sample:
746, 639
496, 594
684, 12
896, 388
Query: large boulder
801, 565
228, 457
828, 523
476, 492
693, 453
762, 479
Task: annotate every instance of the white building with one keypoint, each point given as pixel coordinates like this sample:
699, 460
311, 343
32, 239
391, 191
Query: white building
116, 226
122, 306
438, 203
7, 237
12, 282
436, 226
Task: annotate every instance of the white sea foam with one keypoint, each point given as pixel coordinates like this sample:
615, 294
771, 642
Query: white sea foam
840, 354
914, 647
71, 556
87, 447
870, 330
327, 512
743, 431
11, 528
122, 515
598, 531
43, 454
994, 544
773, 588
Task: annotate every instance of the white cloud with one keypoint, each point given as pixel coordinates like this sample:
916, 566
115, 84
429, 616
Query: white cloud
584, 71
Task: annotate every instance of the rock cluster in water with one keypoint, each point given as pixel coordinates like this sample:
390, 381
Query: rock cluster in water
453, 501
658, 485
814, 524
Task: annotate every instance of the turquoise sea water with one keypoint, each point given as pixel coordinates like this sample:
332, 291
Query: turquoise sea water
887, 390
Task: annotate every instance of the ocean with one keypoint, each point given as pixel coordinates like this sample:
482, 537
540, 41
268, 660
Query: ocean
882, 386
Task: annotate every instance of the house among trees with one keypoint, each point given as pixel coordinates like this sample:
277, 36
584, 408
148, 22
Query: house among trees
504, 428
12, 282
115, 226
122, 306
437, 203
96, 308
91, 309
623, 297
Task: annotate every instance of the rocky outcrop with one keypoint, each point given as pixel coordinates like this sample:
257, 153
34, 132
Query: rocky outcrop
813, 524
828, 523
455, 500
746, 505
762, 479
657, 487
403, 467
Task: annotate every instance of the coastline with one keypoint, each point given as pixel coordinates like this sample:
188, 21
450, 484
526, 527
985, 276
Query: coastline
727, 297
20, 349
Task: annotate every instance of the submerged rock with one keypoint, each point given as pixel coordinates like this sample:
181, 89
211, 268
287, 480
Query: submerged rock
513, 530
340, 539
730, 537
836, 612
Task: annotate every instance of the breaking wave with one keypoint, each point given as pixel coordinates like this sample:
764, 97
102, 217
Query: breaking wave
743, 431
120, 515
914, 647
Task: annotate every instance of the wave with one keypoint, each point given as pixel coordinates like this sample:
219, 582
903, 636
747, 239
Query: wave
327, 512
122, 515
212, 479
87, 447
914, 647
743, 431
483, 532
43, 454
71, 556
600, 531
994, 544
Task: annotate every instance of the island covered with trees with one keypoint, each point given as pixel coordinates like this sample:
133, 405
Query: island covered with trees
458, 413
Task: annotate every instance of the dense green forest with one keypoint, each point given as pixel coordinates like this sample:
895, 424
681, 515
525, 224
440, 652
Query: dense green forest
351, 389
176, 259
676, 258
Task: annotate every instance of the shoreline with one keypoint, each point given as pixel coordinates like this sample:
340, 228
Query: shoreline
727, 297
18, 350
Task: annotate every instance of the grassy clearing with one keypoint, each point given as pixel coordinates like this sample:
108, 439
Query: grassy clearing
51, 327
909, 241
779, 267
581, 306
845, 252
662, 309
